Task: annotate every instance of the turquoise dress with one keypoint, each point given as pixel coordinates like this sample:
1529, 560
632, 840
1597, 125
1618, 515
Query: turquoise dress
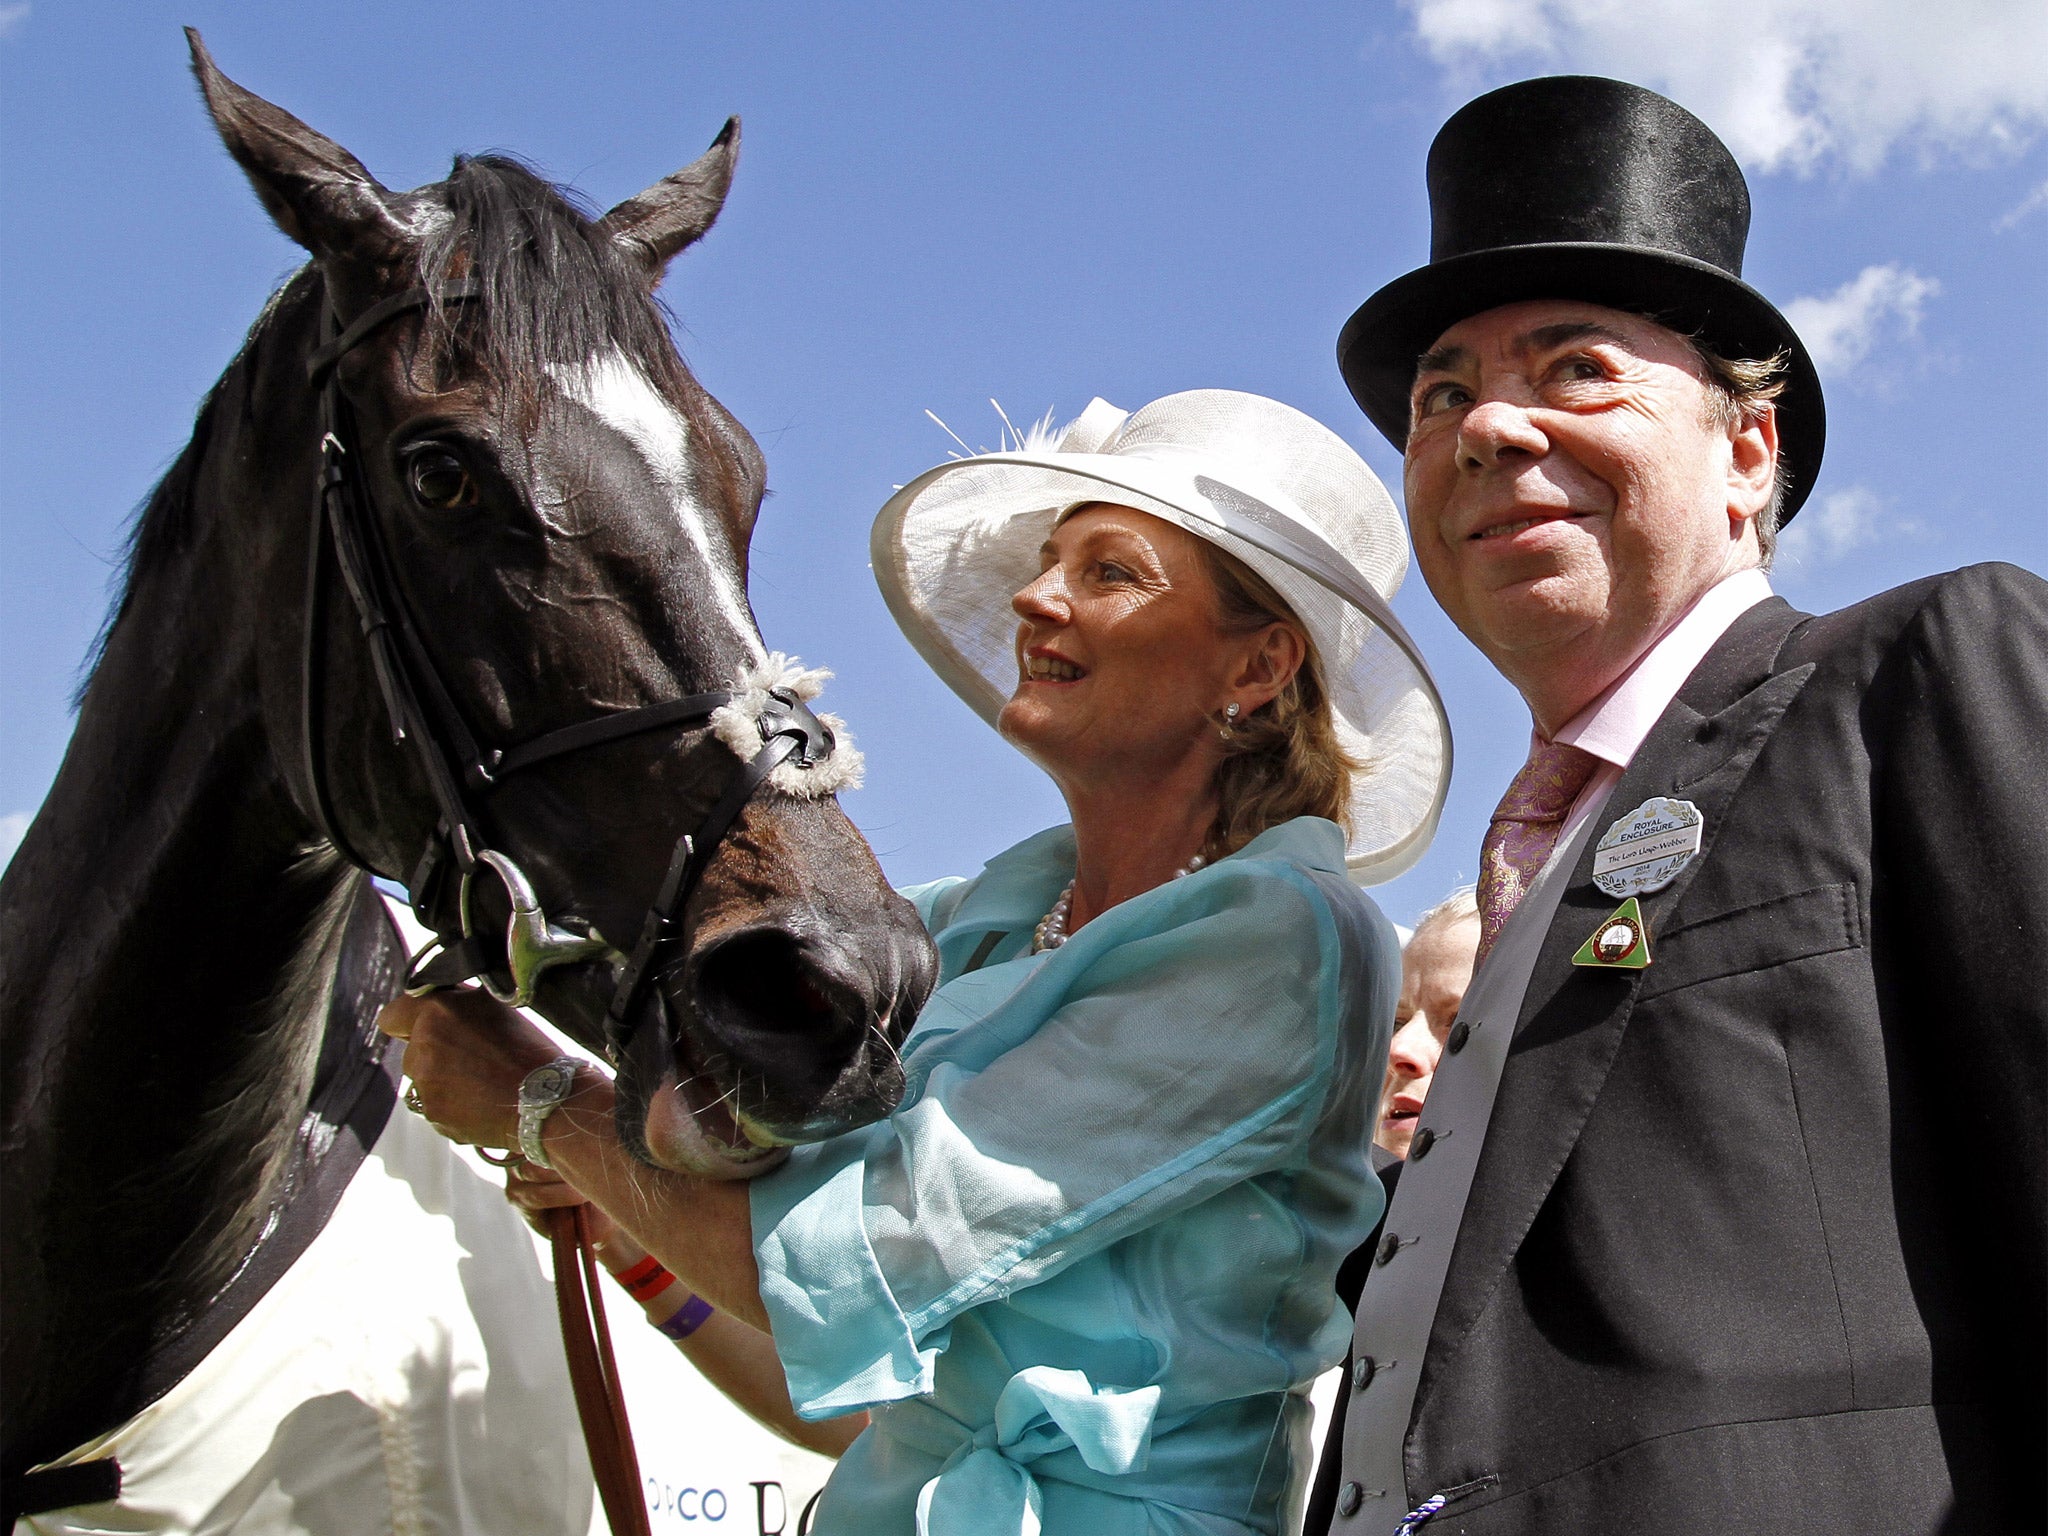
1083, 1275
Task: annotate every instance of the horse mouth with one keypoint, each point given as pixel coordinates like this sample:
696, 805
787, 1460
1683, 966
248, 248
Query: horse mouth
690, 1126
759, 1040
693, 1124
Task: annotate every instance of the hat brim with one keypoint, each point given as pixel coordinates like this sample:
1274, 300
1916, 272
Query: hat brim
948, 583
1389, 331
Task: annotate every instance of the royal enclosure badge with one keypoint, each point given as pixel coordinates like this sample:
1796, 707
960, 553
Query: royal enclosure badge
1645, 850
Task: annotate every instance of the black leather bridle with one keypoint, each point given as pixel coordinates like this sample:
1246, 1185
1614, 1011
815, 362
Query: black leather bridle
457, 768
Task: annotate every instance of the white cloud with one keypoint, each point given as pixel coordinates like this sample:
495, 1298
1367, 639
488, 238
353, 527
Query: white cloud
1792, 84
2032, 203
1840, 328
11, 18
11, 830
1838, 524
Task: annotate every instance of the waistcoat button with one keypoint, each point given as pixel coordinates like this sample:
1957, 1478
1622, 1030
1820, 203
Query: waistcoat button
1363, 1369
1349, 1497
1460, 1033
1418, 1149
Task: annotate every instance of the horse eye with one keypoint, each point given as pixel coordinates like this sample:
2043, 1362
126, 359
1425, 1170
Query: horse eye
439, 480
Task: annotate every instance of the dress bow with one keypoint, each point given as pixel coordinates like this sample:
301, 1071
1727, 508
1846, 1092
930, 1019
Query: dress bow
986, 1487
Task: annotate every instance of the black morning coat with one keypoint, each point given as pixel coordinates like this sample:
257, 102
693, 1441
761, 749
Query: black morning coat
1756, 1240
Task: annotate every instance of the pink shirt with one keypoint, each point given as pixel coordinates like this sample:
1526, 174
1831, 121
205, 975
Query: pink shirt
1613, 726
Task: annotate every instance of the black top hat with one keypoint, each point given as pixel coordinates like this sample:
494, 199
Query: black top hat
1574, 187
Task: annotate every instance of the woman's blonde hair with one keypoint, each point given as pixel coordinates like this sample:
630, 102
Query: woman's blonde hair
1282, 760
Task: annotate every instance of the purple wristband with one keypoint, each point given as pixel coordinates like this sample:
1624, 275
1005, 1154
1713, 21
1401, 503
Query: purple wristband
688, 1318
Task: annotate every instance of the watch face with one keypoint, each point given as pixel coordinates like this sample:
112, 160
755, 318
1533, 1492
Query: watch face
550, 1084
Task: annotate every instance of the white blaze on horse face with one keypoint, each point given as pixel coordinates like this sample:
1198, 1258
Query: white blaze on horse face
619, 395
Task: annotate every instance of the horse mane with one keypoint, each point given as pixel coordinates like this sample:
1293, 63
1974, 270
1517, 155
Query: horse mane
555, 291
161, 527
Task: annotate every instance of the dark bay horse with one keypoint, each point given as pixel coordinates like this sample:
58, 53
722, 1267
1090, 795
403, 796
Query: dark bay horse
188, 961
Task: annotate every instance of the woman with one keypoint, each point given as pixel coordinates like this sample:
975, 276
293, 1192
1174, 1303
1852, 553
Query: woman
1085, 1269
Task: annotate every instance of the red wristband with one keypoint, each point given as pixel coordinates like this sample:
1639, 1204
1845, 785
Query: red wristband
646, 1280
633, 1274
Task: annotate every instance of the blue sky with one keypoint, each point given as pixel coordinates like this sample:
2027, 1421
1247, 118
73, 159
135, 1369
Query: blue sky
940, 203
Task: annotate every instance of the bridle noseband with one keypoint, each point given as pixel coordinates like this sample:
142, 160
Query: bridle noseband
457, 768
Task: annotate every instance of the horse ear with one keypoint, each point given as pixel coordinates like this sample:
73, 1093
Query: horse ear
317, 192
674, 212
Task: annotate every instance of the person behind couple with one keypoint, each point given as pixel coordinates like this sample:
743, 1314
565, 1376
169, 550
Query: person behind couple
1436, 968
1083, 1274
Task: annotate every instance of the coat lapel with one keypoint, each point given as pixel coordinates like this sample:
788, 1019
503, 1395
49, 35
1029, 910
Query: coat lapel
1572, 1018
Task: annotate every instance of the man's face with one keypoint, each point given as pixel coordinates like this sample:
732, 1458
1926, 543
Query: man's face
1436, 968
1570, 492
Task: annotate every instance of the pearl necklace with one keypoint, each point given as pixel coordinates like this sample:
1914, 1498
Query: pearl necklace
1051, 932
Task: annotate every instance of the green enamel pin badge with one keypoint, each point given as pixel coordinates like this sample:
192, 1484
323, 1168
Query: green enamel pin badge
1620, 943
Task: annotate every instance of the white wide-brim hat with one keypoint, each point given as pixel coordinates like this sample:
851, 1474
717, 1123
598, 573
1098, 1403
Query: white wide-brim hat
1275, 488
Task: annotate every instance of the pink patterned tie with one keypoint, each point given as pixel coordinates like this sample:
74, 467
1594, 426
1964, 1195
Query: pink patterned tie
1524, 831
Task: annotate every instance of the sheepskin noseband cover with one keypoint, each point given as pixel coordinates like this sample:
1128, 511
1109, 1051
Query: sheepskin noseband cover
738, 725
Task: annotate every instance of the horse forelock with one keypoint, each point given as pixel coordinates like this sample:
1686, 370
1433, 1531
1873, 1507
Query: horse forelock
555, 293
563, 315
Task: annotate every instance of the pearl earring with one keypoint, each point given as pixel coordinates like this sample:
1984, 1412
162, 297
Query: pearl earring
1229, 719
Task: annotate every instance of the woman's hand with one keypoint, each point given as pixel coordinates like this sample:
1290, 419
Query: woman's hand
535, 1191
466, 1054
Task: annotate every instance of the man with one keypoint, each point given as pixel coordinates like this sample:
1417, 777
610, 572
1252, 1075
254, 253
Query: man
1731, 1214
1436, 967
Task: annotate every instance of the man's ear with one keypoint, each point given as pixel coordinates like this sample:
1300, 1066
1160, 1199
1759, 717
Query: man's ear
316, 191
674, 213
1752, 465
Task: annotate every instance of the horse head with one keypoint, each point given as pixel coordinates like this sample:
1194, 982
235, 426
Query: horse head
562, 515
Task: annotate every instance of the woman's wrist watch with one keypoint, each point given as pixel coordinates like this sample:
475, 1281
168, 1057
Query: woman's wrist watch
541, 1092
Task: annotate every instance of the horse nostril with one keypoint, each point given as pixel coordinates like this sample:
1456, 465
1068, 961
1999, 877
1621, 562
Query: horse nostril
766, 983
798, 1027
790, 1014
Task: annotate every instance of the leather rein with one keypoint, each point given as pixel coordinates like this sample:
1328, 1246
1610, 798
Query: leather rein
459, 772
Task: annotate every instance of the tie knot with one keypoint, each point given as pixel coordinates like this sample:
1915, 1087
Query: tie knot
1548, 783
